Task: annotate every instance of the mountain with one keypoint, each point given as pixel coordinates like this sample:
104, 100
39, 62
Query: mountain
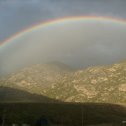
94, 84
105, 84
37, 77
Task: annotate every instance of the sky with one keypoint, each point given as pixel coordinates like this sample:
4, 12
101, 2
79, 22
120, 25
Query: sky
16, 15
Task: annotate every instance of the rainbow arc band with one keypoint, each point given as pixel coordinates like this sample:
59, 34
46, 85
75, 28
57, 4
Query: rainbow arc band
57, 21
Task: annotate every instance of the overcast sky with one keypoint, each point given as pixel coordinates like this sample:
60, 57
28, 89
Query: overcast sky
70, 43
16, 15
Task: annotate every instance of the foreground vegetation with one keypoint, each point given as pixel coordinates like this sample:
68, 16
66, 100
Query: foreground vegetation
62, 113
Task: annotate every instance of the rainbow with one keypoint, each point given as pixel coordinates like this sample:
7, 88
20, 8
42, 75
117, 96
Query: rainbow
57, 21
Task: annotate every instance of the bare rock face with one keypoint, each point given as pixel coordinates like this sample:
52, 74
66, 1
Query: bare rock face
94, 84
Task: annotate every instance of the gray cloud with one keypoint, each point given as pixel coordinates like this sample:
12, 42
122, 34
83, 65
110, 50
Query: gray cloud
87, 47
16, 15
79, 44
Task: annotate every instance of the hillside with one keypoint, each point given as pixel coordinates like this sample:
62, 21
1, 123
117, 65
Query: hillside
37, 77
105, 84
14, 95
95, 84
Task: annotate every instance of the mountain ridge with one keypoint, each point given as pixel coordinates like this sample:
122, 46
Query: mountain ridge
94, 84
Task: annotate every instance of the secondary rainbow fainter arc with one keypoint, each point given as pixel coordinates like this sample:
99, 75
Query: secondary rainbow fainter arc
57, 21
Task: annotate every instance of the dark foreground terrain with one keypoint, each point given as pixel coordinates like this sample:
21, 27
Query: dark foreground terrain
70, 114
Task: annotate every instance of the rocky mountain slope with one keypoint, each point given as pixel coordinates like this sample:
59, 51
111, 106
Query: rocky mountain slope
37, 77
94, 84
